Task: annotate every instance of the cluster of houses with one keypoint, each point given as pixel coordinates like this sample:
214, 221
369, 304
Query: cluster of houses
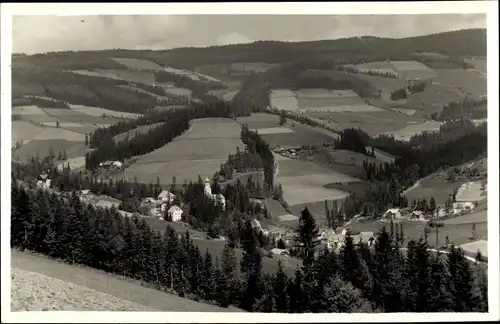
110, 165
423, 216
287, 152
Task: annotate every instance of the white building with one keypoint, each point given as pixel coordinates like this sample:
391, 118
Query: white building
392, 213
217, 198
175, 213
43, 181
459, 207
166, 196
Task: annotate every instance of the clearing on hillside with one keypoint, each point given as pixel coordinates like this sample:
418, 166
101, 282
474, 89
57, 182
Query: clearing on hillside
471, 191
144, 77
28, 110
273, 130
466, 81
406, 133
179, 91
439, 189
458, 234
124, 289
472, 247
372, 122
138, 64
284, 100
413, 70
31, 291
24, 130
42, 148
136, 131
199, 151
98, 112
479, 65
99, 73
472, 218
304, 182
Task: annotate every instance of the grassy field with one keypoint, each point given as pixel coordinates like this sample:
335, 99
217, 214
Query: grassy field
413, 70
139, 64
98, 112
178, 91
470, 191
304, 182
136, 131
31, 291
406, 133
479, 64
110, 74
466, 81
372, 122
199, 151
438, 189
284, 100
145, 77
457, 233
104, 283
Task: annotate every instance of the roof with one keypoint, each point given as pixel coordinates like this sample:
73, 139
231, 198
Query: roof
279, 251
43, 176
85, 191
255, 223
165, 194
370, 234
174, 208
418, 212
206, 179
392, 210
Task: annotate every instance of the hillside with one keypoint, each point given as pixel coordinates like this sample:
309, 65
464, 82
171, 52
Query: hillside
471, 42
81, 288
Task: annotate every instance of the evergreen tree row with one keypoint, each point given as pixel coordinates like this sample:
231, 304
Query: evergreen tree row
357, 279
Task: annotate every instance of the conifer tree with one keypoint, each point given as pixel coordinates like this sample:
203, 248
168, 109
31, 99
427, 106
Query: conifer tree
280, 290
307, 234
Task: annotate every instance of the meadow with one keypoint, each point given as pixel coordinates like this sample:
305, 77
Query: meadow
407, 132
439, 189
470, 191
138, 64
125, 289
136, 131
178, 91
199, 151
458, 234
372, 122
466, 81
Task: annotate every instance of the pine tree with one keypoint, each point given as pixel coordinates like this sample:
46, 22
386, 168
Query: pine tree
462, 281
441, 299
307, 236
251, 267
280, 290
207, 277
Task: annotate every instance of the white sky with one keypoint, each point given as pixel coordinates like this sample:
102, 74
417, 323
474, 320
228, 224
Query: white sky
35, 34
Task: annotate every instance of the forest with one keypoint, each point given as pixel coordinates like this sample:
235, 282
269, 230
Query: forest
470, 108
471, 42
357, 279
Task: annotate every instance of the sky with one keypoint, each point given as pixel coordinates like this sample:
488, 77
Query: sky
38, 34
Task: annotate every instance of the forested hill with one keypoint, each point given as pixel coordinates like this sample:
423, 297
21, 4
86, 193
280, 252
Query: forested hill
467, 42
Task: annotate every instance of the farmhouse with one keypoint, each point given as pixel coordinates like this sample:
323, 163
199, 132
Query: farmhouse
43, 181
108, 203
418, 215
459, 207
217, 198
175, 213
110, 165
166, 196
279, 252
392, 213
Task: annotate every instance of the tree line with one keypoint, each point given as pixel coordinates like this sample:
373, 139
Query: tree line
200, 211
356, 279
175, 122
469, 108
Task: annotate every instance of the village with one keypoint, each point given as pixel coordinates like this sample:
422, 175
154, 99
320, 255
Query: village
167, 207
